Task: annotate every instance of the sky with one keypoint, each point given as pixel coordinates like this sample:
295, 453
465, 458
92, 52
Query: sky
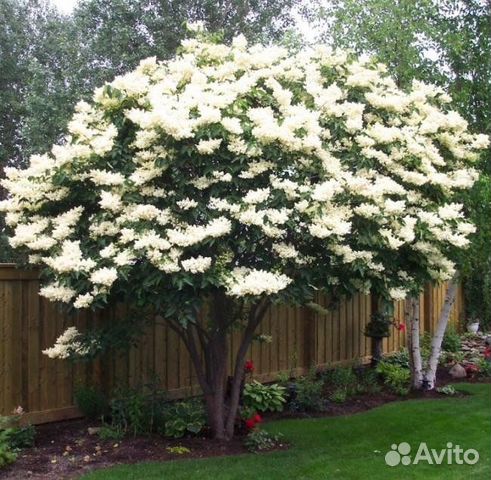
65, 6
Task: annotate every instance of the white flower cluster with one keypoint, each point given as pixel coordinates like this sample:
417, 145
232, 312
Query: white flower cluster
67, 345
244, 281
196, 265
245, 162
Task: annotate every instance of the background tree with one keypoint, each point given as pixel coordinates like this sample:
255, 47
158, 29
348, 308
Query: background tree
446, 43
23, 26
49, 61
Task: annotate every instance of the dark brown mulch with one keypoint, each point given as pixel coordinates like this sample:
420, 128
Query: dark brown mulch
65, 450
362, 403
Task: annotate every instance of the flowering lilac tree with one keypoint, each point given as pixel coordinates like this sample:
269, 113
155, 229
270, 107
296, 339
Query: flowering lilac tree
241, 176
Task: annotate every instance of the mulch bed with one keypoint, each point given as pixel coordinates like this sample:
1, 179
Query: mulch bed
65, 450
50, 459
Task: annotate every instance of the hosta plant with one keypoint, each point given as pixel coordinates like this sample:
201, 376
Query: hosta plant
263, 398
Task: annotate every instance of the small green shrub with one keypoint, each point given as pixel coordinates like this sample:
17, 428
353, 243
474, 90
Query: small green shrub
400, 358
450, 357
338, 396
283, 378
129, 412
7, 456
368, 381
342, 379
14, 437
263, 398
451, 341
108, 432
21, 437
184, 417
484, 368
139, 410
91, 401
260, 440
396, 378
308, 393
447, 390
144, 410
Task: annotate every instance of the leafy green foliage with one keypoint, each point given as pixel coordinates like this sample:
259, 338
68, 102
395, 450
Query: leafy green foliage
184, 417
400, 358
451, 341
338, 396
138, 410
129, 412
342, 378
344, 382
378, 326
390, 30
13, 438
368, 381
108, 432
7, 456
396, 378
260, 440
484, 368
178, 450
308, 393
91, 401
263, 398
447, 390
141, 411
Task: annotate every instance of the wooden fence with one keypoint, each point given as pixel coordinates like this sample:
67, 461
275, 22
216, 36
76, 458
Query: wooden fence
44, 387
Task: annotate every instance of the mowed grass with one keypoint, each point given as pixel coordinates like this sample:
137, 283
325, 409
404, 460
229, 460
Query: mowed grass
351, 447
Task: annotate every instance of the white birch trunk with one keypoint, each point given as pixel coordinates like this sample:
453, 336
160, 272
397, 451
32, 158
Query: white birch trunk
436, 341
415, 360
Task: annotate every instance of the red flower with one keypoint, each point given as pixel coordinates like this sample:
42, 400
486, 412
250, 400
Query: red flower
250, 423
257, 418
471, 369
249, 366
487, 352
401, 327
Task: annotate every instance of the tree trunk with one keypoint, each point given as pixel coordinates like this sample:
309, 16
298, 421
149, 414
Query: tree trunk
211, 362
436, 341
415, 360
425, 377
216, 379
255, 317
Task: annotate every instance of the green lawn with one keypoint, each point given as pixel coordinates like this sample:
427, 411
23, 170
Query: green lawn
350, 447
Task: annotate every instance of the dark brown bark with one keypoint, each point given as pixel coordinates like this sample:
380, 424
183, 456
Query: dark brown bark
255, 317
208, 350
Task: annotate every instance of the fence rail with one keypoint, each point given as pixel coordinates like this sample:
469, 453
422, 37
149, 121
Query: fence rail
44, 387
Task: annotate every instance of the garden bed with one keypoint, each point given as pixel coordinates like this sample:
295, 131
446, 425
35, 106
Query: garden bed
66, 449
